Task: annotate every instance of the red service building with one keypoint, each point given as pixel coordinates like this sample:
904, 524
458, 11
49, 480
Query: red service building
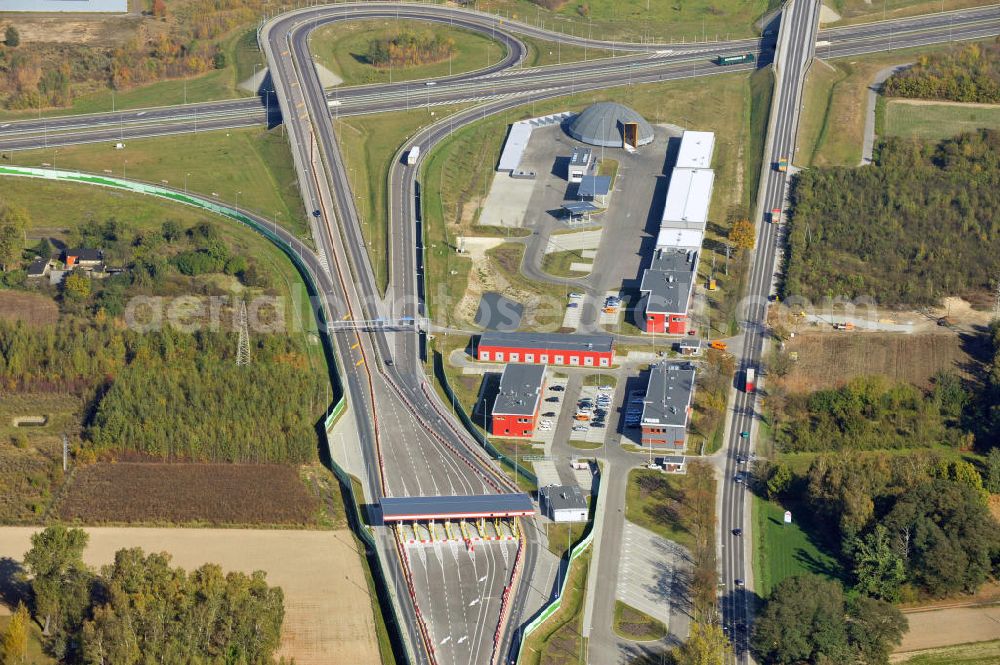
666, 290
515, 410
546, 348
667, 406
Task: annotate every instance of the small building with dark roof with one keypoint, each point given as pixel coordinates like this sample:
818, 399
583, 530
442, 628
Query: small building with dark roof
39, 267
671, 463
563, 503
515, 409
666, 290
667, 406
594, 188
546, 348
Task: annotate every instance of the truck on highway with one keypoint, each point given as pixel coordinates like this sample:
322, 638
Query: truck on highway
741, 59
413, 155
750, 380
783, 165
843, 325
718, 344
775, 215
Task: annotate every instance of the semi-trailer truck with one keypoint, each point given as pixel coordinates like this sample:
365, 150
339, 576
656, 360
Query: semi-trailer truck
750, 380
783, 165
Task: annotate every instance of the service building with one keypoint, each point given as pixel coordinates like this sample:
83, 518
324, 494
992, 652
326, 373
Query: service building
515, 410
546, 348
563, 503
666, 290
667, 406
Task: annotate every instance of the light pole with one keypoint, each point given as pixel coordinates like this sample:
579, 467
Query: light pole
124, 163
186, 182
238, 202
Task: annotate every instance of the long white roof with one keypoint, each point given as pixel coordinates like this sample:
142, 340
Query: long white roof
679, 238
696, 150
513, 149
688, 197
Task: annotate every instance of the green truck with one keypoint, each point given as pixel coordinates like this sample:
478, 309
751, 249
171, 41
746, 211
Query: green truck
734, 59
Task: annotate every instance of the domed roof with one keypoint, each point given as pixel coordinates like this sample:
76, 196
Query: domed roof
603, 124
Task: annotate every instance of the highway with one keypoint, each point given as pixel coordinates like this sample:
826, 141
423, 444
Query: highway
448, 598
502, 78
795, 53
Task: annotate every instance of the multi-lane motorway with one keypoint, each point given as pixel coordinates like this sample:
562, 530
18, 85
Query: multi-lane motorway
643, 63
447, 598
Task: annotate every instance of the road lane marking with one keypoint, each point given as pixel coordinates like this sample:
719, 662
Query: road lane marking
358, 364
355, 345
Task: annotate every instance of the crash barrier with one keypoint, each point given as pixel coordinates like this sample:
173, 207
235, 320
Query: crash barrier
354, 518
505, 600
442, 378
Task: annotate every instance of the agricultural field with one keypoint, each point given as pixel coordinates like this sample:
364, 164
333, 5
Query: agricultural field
328, 608
31, 308
978, 653
934, 120
948, 626
197, 494
342, 47
201, 163
829, 360
783, 550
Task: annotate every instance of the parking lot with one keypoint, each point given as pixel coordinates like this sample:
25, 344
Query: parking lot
550, 410
593, 409
571, 318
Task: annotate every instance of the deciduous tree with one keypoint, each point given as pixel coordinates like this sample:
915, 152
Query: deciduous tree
60, 580
14, 646
742, 234
878, 568
706, 645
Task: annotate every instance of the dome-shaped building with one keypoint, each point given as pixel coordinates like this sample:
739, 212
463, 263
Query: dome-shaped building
603, 124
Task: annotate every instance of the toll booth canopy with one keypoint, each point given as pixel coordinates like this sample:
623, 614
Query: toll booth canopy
423, 508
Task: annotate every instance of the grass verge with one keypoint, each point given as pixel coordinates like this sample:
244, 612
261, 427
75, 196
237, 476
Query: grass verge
560, 264
558, 641
782, 550
978, 653
255, 162
655, 501
633, 624
563, 535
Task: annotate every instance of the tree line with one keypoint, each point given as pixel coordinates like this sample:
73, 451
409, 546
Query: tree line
408, 47
140, 609
917, 225
969, 74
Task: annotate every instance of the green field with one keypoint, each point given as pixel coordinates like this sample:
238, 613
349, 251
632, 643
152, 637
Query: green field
341, 48
559, 263
255, 162
663, 515
563, 535
633, 624
937, 121
782, 550
863, 11
978, 653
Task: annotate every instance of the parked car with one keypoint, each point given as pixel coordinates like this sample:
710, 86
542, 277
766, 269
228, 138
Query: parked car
551, 399
557, 388
576, 295
597, 424
549, 414
605, 387
579, 428
573, 304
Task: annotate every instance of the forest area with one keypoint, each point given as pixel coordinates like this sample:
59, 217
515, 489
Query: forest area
169, 387
139, 607
917, 225
175, 39
971, 74
408, 48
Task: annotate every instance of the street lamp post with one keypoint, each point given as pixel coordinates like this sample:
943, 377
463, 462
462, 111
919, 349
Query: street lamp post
238, 202
186, 182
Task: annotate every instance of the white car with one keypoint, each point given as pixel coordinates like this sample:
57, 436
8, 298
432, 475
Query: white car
605, 387
579, 428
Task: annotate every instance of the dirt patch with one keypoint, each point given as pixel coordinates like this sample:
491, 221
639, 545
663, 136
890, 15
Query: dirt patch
32, 308
827, 15
92, 31
216, 494
328, 615
931, 629
942, 102
831, 360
